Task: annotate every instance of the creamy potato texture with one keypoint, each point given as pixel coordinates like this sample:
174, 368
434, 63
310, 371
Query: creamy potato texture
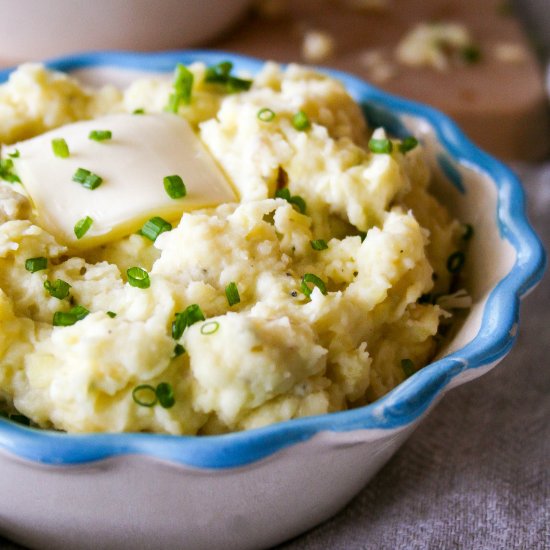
332, 248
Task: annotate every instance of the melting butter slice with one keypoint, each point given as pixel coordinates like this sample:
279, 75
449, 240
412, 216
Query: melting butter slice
143, 150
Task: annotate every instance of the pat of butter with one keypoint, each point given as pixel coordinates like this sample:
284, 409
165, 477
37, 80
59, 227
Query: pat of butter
143, 150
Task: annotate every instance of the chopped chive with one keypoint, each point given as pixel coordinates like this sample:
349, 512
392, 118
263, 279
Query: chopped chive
295, 200
111, 314
191, 315
145, 395
300, 121
87, 179
175, 187
154, 227
408, 144
266, 115
380, 146
82, 226
471, 54
221, 74
362, 235
210, 327
455, 262
232, 294
100, 135
15, 154
58, 289
218, 73
283, 193
138, 277
36, 264
235, 84
64, 319
182, 87
138, 112
178, 350
468, 231
68, 318
165, 395
6, 171
60, 148
299, 202
80, 175
319, 244
408, 367
314, 280
79, 312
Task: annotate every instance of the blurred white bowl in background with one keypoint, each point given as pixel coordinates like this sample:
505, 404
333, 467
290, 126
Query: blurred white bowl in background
36, 29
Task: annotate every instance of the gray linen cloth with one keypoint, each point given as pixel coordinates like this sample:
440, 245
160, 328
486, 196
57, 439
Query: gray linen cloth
476, 474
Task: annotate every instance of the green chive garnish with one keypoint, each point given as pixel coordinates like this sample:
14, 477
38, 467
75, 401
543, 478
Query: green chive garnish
408, 144
15, 154
111, 314
408, 367
210, 327
235, 84
138, 277
218, 73
175, 187
154, 227
36, 264
82, 226
87, 179
318, 244
182, 86
138, 112
455, 262
68, 318
232, 294
145, 395
6, 171
58, 289
314, 280
100, 135
266, 115
63, 319
295, 200
381, 146
60, 148
165, 395
221, 74
191, 315
178, 350
300, 121
79, 312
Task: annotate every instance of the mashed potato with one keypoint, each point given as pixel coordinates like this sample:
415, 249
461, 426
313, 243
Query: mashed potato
305, 297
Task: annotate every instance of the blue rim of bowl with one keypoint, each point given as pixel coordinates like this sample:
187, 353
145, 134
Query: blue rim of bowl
403, 405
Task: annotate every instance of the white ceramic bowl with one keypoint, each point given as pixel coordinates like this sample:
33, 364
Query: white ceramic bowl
257, 488
36, 29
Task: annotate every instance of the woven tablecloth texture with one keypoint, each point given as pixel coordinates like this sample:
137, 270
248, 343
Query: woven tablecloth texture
476, 474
